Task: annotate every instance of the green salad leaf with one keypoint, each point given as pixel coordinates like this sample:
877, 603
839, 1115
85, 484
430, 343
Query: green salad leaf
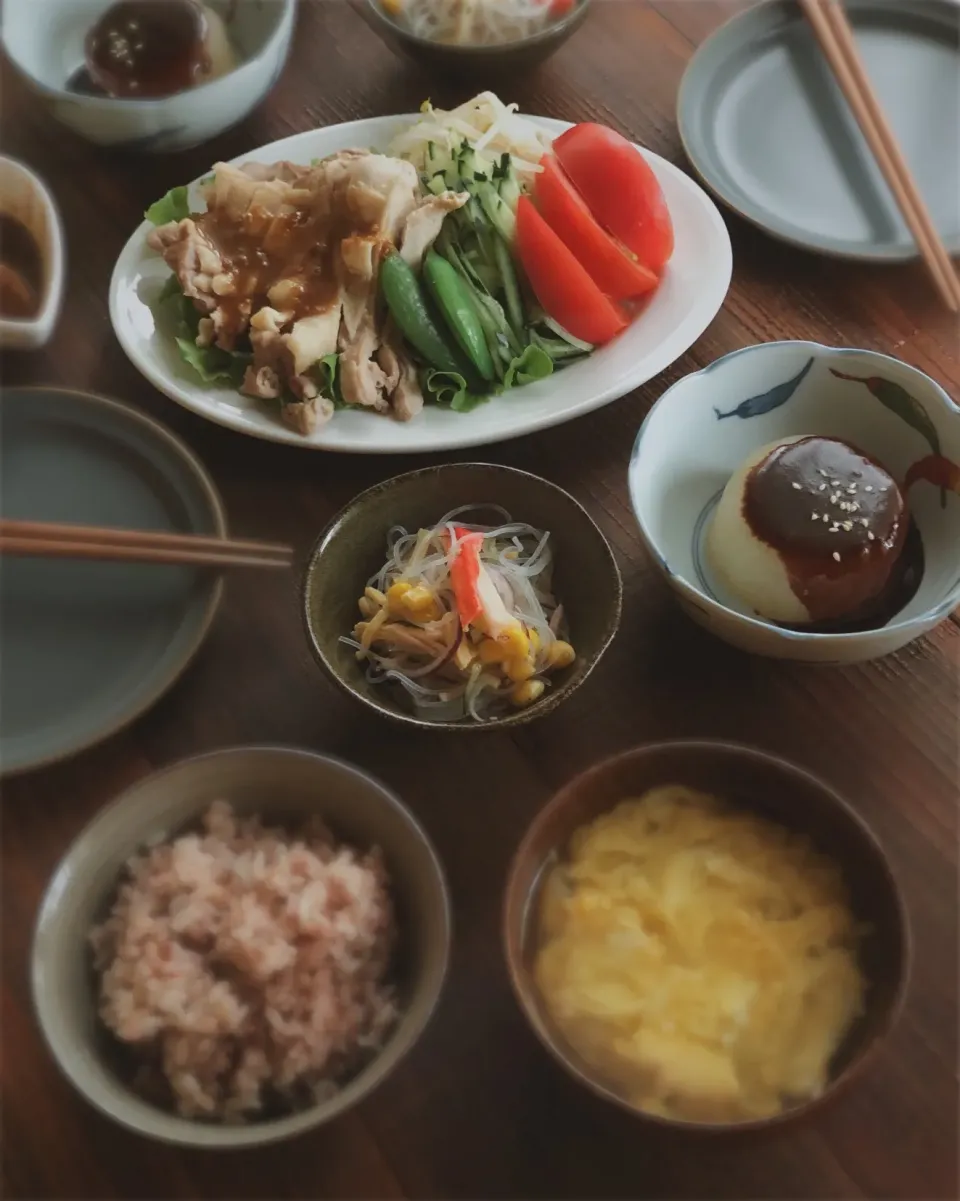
450, 389
170, 289
328, 375
172, 207
212, 365
532, 364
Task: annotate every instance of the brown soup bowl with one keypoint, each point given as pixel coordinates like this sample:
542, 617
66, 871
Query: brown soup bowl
756, 782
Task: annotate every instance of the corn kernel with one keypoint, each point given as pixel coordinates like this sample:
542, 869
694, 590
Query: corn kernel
560, 654
393, 7
527, 692
421, 604
518, 670
514, 642
395, 594
490, 652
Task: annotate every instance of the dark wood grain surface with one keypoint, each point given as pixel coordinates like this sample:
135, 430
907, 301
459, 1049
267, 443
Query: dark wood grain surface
478, 1110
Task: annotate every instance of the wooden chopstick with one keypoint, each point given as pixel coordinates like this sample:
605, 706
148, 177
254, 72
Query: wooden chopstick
833, 32
54, 540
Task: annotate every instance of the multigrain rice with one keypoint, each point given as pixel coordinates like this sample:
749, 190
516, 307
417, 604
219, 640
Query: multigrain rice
247, 965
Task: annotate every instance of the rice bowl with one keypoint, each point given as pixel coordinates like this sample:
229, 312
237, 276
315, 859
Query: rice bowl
288, 789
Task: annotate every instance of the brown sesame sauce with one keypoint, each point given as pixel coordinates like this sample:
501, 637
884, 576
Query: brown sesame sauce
145, 49
21, 271
840, 525
294, 252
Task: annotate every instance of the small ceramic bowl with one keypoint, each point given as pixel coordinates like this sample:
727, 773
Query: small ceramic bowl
756, 782
280, 785
509, 58
353, 547
704, 426
24, 197
47, 49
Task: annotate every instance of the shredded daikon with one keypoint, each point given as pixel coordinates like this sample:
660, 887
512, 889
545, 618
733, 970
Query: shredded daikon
492, 127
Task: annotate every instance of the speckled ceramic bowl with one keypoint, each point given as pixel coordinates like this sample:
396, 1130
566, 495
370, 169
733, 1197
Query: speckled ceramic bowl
473, 62
281, 785
701, 429
353, 548
756, 782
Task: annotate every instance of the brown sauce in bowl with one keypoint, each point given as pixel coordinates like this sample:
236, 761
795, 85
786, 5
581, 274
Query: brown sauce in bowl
145, 49
21, 271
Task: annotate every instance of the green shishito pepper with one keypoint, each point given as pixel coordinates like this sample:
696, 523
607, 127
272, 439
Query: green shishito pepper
408, 307
459, 310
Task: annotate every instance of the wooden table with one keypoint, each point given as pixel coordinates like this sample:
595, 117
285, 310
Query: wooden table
478, 1110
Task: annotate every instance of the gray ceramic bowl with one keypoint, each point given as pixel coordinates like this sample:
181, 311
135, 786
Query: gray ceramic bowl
756, 782
352, 549
281, 785
473, 61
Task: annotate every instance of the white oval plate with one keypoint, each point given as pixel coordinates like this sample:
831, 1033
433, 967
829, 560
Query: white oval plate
690, 294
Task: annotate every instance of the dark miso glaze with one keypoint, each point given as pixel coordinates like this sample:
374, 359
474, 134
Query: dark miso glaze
145, 49
840, 525
21, 271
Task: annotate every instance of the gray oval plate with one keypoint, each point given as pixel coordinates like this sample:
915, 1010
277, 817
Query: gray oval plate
767, 129
87, 646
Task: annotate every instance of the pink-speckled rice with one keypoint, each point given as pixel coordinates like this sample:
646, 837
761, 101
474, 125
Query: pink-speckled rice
248, 963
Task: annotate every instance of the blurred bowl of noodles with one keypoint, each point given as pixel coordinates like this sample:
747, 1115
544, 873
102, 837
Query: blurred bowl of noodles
483, 38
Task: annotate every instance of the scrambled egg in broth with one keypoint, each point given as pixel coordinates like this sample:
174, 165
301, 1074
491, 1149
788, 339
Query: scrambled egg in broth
701, 961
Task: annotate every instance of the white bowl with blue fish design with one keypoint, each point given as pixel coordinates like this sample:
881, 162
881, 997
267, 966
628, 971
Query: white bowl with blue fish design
703, 428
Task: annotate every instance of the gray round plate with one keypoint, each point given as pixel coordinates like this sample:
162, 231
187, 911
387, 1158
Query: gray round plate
86, 646
767, 129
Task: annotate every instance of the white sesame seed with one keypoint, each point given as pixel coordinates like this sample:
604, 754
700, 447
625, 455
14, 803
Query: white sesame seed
863, 521
836, 555
834, 529
825, 517
799, 487
820, 471
822, 488
848, 525
834, 483
814, 516
834, 497
870, 535
851, 488
868, 487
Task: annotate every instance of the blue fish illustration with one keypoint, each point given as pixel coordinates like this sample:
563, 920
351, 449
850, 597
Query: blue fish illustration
766, 402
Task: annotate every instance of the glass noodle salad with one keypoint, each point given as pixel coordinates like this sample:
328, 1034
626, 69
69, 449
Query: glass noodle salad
476, 22
463, 617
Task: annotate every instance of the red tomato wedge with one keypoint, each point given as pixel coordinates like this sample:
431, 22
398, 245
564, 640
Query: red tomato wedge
619, 188
561, 283
613, 269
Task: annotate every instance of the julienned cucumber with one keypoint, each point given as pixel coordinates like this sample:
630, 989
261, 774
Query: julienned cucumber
408, 307
455, 300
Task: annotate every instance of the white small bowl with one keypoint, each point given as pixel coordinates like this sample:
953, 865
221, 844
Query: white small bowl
44, 41
24, 196
700, 431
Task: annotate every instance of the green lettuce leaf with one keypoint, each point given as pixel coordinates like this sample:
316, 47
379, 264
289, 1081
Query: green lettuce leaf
328, 376
172, 207
170, 289
212, 365
533, 364
450, 389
